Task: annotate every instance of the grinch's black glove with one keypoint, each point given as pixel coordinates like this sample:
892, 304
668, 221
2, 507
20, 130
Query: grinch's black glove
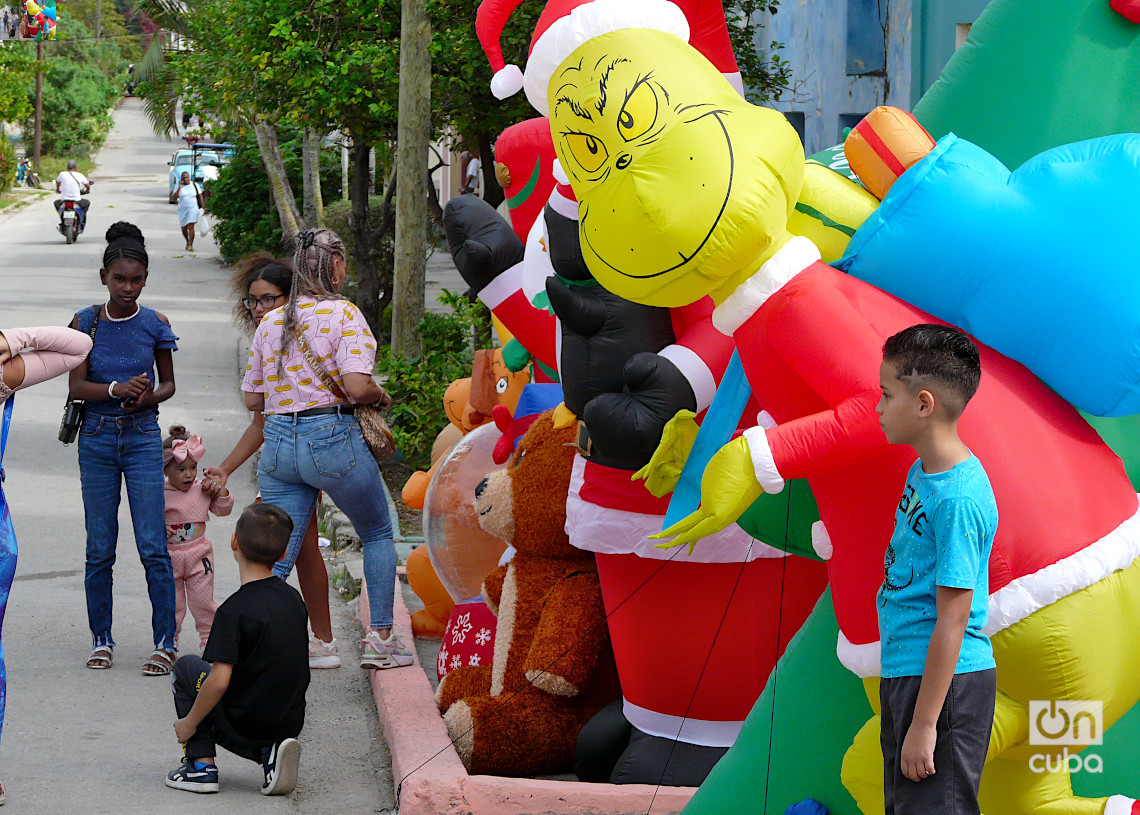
626, 427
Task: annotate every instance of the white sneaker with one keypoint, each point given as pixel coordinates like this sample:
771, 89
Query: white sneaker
280, 767
389, 653
323, 654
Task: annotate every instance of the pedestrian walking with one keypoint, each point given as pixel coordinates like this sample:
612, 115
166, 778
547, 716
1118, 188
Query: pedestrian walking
189, 503
310, 365
189, 207
120, 440
261, 283
28, 356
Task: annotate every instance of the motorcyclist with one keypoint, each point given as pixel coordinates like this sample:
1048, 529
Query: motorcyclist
72, 185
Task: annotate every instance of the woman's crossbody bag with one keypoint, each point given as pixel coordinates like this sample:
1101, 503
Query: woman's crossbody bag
377, 434
75, 409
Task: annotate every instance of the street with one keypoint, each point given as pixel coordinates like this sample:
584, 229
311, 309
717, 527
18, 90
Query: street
102, 741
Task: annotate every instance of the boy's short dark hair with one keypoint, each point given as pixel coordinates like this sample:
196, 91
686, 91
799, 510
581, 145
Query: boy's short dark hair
263, 532
941, 358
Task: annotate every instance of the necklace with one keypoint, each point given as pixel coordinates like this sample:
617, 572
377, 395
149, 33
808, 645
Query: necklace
107, 311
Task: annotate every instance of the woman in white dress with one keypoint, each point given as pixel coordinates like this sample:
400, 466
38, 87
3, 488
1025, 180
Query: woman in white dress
189, 205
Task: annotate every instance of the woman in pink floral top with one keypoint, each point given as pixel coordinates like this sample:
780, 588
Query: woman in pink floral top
312, 440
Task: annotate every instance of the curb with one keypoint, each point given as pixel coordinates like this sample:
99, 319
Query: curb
431, 780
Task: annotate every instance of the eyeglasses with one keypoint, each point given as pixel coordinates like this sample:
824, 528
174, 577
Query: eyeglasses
268, 301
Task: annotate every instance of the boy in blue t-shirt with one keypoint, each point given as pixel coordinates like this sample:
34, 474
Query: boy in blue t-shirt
939, 680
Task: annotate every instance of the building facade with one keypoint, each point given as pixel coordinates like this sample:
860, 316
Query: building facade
849, 56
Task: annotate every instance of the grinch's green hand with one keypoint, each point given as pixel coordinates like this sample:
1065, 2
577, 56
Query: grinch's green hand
663, 471
728, 487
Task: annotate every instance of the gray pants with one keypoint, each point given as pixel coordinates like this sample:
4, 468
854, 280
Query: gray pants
964, 727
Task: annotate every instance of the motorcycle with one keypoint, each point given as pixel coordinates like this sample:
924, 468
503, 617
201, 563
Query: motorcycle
26, 176
70, 220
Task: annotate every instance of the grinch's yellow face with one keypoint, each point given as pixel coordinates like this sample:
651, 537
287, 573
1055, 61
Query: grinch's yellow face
681, 183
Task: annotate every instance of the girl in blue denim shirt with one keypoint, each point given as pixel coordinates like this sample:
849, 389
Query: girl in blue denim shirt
120, 439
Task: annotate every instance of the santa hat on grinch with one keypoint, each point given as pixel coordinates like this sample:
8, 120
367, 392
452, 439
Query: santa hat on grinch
566, 24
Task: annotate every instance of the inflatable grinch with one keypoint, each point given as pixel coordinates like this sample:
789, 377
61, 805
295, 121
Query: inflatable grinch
626, 369
640, 120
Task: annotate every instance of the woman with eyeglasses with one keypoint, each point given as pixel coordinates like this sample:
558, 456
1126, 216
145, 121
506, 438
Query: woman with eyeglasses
261, 284
310, 366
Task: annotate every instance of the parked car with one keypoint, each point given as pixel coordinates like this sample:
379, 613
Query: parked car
195, 160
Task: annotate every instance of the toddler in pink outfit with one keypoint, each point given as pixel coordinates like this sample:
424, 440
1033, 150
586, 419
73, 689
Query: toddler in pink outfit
188, 505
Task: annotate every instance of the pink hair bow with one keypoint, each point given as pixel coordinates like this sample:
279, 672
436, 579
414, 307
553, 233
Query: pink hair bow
184, 448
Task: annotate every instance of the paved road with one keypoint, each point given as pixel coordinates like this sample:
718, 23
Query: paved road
101, 741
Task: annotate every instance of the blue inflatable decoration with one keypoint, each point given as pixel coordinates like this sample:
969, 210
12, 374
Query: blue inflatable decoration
806, 807
1039, 264
7, 554
716, 431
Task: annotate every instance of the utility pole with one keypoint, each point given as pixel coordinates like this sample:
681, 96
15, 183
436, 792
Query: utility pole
413, 129
39, 104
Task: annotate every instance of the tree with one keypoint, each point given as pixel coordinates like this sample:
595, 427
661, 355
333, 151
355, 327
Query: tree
18, 67
411, 208
168, 75
314, 204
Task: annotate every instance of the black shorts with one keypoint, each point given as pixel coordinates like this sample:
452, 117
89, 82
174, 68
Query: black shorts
964, 727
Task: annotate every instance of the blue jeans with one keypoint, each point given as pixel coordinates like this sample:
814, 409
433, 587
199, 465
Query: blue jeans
304, 455
111, 450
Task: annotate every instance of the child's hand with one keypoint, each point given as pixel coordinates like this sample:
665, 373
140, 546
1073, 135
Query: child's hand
918, 752
211, 489
216, 475
183, 730
134, 387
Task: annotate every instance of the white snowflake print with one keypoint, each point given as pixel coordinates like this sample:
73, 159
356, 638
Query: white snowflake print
441, 662
483, 637
475, 660
461, 627
455, 662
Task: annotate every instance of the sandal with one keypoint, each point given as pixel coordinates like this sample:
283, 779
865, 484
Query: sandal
160, 663
100, 660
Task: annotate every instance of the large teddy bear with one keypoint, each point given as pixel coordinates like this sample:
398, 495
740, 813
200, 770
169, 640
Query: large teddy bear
552, 668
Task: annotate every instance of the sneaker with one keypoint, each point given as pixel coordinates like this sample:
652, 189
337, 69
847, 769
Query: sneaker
193, 778
323, 654
281, 762
389, 653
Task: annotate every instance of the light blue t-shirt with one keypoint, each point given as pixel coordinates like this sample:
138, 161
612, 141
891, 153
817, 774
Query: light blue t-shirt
944, 530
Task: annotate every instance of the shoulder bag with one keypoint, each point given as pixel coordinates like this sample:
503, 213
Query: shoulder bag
377, 434
75, 409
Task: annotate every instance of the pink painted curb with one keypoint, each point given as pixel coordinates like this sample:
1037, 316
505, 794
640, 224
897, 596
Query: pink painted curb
435, 782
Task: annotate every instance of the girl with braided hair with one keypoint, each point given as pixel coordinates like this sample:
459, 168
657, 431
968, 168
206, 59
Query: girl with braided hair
261, 283
309, 366
120, 440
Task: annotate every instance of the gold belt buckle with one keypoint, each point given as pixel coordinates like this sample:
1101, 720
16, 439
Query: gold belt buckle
583, 441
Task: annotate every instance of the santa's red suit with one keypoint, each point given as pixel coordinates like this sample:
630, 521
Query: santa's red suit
810, 339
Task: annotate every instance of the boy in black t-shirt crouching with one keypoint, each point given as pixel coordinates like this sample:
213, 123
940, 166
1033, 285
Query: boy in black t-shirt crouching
246, 692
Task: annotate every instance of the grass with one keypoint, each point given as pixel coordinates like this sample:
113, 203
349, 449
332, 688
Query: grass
22, 198
51, 166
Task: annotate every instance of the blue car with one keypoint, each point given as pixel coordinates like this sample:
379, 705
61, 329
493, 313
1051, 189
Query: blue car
195, 161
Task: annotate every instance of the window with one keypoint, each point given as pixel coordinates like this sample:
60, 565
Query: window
847, 121
796, 119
